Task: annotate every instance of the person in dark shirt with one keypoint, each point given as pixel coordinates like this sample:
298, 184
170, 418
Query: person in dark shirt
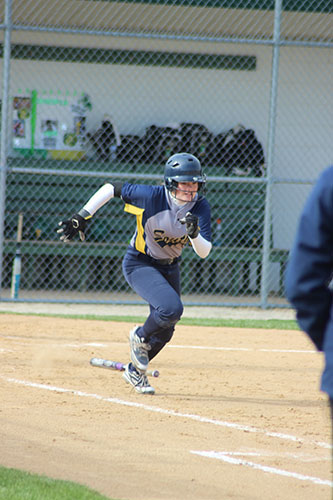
309, 274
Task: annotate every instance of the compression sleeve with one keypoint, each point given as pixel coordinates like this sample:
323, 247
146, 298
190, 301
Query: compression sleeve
201, 246
102, 196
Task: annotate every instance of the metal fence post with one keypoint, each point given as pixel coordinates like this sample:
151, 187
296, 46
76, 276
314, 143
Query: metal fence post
270, 154
4, 124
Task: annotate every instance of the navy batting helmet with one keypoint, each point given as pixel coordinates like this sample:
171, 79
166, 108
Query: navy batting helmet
183, 167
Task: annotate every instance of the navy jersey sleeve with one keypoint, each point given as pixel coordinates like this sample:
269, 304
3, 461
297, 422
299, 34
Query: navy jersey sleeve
137, 194
310, 265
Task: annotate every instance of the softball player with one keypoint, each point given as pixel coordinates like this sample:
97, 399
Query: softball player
168, 218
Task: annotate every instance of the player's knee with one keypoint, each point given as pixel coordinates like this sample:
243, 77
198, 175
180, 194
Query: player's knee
176, 313
169, 317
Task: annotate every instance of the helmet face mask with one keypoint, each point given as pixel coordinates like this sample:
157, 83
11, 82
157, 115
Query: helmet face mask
183, 167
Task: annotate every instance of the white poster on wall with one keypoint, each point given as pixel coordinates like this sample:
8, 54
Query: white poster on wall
61, 122
52, 124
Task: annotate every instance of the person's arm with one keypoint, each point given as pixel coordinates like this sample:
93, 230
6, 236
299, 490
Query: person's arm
201, 246
78, 222
102, 196
310, 264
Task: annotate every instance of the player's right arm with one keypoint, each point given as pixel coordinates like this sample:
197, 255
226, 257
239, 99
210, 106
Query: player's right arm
77, 223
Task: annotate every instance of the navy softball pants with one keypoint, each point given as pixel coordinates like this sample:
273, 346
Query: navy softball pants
159, 285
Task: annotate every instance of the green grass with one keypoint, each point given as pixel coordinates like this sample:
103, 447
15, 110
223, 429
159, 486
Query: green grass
20, 485
274, 324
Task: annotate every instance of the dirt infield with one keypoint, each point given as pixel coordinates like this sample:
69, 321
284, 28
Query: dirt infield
237, 413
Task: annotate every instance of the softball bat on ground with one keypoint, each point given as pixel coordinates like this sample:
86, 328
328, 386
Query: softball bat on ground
116, 365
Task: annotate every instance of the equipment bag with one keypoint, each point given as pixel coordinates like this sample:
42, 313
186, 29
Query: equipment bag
240, 152
196, 139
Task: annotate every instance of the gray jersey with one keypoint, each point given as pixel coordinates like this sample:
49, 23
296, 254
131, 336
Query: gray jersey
158, 231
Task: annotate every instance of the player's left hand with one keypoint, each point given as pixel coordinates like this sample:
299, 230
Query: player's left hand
69, 228
192, 224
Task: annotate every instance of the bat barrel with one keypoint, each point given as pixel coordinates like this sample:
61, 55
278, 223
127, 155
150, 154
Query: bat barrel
16, 270
106, 363
117, 365
16, 275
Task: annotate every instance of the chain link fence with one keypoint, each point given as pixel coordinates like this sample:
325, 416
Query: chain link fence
96, 91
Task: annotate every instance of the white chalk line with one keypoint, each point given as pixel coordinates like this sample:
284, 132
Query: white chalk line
221, 456
206, 348
247, 349
300, 457
198, 418
226, 457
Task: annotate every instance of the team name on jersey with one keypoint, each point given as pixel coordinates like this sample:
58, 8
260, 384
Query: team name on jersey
162, 240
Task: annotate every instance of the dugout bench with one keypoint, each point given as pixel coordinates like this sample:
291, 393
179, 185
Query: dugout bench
97, 266
237, 225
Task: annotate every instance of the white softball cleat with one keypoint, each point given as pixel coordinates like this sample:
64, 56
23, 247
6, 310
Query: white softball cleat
139, 350
138, 380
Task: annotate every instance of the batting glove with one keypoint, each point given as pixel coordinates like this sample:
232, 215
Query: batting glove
192, 226
71, 227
